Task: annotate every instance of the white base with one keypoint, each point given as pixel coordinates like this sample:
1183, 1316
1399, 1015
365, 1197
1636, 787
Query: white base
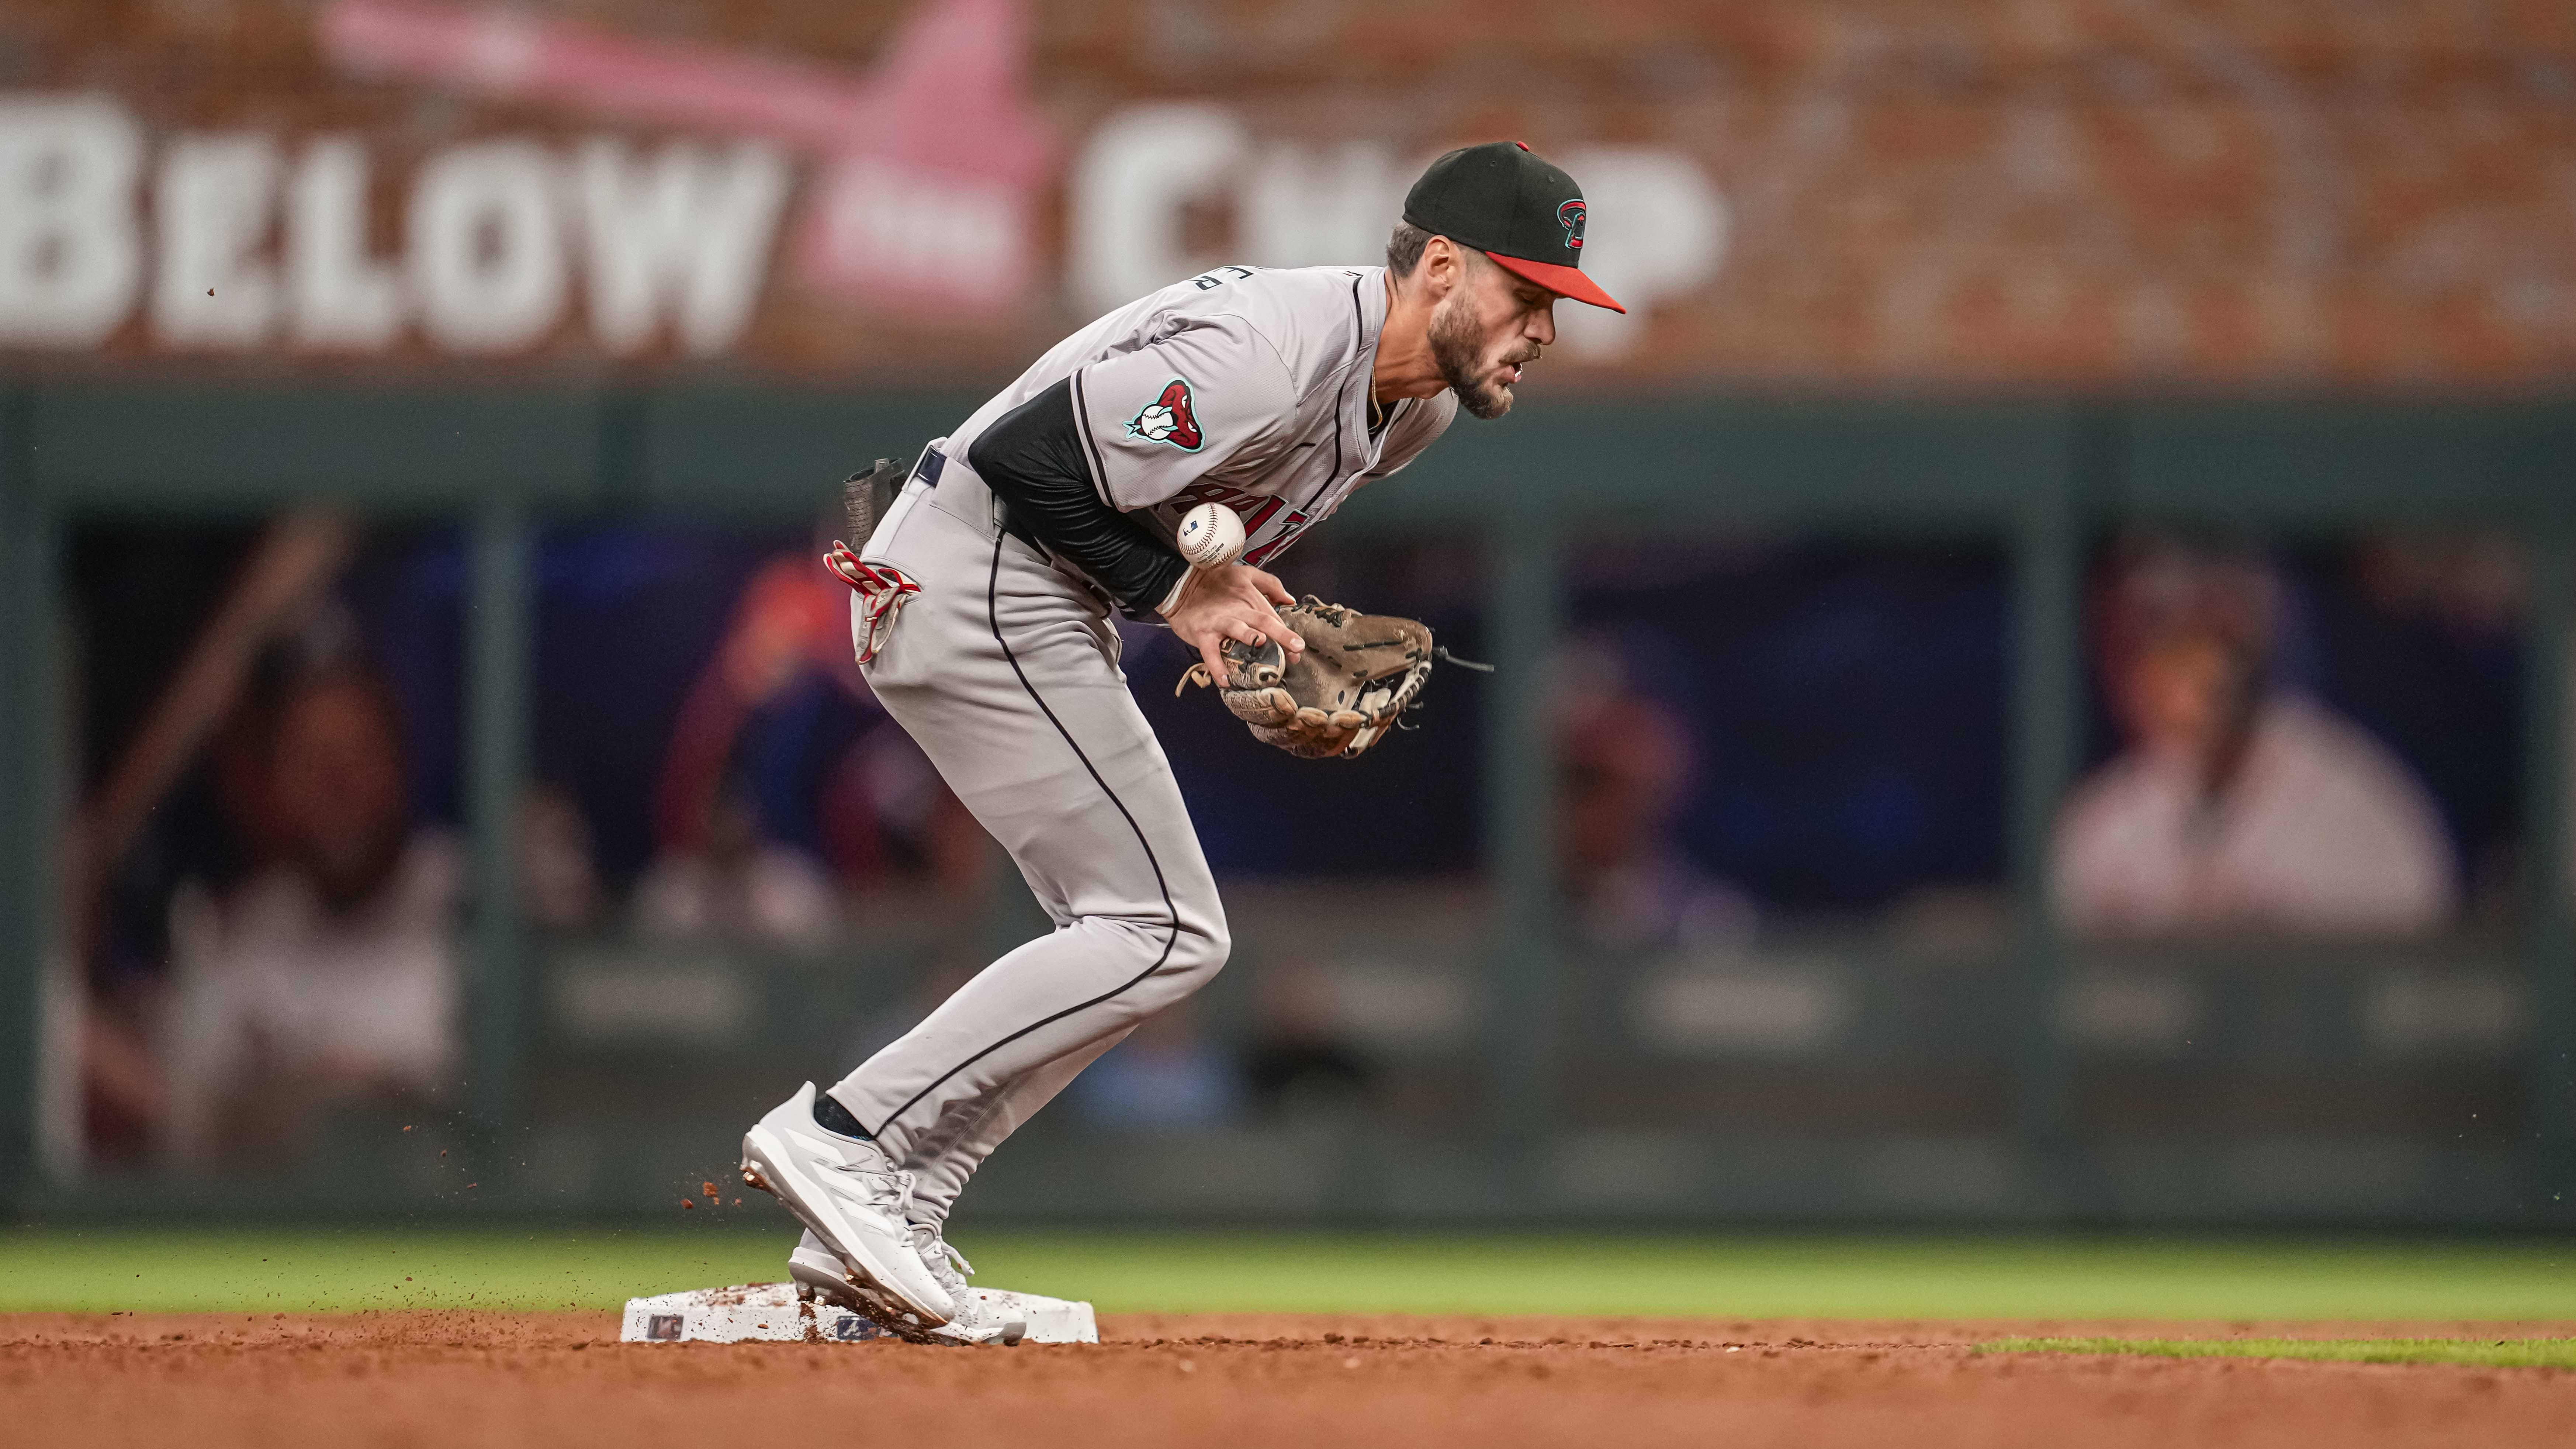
771, 1313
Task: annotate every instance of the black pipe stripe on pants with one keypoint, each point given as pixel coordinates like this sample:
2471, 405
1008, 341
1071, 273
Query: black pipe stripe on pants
993, 619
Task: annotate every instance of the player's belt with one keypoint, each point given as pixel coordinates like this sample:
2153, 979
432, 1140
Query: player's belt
934, 463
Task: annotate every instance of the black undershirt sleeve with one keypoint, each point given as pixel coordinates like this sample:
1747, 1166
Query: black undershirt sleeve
1031, 457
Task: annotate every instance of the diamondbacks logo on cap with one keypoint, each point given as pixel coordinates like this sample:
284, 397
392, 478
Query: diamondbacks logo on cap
1168, 419
1570, 216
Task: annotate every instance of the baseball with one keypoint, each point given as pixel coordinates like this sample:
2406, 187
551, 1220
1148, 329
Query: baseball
1211, 536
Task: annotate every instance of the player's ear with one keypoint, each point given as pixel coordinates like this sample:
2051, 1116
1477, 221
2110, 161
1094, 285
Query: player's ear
1443, 266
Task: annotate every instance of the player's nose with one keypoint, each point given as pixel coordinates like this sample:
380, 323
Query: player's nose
1542, 326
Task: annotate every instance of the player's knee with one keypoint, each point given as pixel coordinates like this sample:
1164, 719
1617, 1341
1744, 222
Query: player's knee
1180, 955
1200, 946
1202, 952
1211, 946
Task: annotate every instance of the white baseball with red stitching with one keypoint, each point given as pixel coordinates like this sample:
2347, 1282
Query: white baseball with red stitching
1210, 536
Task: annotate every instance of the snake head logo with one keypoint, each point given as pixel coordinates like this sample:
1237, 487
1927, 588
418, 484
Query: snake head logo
1570, 216
1168, 419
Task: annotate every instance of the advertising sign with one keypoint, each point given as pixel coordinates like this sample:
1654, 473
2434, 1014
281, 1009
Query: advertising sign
1787, 192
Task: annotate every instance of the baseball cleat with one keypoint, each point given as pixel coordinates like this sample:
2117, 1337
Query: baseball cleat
818, 1277
853, 1203
975, 1322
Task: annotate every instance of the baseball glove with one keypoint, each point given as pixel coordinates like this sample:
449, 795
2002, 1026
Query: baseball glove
1358, 675
866, 497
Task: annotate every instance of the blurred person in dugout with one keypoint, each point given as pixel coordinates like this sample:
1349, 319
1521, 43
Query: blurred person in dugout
2237, 802
746, 845
1301, 1061
332, 971
1625, 769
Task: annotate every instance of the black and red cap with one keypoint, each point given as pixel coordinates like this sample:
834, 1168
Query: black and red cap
1505, 200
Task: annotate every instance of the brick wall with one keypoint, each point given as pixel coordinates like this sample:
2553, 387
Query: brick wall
2225, 192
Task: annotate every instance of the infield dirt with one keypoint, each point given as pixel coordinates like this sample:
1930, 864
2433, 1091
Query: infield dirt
562, 1379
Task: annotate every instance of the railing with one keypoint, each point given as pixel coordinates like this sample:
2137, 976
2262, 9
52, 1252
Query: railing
2038, 476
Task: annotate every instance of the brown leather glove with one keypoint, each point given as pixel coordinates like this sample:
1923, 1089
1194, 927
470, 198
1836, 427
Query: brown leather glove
1358, 674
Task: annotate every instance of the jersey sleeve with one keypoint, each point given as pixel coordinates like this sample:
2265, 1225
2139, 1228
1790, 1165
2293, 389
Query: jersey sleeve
1211, 397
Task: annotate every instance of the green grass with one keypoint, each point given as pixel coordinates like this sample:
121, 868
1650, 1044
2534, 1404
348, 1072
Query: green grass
1821, 1277
96, 1269
321, 1271
2558, 1353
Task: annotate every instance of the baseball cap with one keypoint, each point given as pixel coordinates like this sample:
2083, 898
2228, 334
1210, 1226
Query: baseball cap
1505, 200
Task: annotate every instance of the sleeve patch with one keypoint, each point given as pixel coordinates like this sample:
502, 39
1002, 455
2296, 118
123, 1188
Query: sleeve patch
1169, 418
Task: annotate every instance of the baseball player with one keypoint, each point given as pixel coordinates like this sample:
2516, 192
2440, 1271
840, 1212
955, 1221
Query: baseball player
984, 627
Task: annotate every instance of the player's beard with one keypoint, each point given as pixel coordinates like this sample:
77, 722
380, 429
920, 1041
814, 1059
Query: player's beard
1459, 348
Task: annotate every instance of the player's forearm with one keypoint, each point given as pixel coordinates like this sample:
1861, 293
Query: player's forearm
1031, 457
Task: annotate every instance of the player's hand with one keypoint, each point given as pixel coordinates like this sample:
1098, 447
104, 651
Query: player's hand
1233, 602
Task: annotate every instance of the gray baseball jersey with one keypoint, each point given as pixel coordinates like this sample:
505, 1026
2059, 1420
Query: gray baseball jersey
1245, 386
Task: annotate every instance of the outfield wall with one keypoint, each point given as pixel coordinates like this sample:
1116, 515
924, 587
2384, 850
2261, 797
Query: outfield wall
2011, 1075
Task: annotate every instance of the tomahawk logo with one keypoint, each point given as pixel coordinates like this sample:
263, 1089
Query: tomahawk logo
1168, 419
1570, 216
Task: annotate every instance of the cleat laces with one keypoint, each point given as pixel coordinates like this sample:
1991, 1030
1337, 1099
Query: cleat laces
951, 1270
945, 1262
881, 1190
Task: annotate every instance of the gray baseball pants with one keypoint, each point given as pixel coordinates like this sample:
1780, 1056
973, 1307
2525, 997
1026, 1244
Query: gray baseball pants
1005, 670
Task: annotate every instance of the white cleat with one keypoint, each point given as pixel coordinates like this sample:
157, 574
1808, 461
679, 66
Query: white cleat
975, 1321
819, 1277
817, 1274
854, 1206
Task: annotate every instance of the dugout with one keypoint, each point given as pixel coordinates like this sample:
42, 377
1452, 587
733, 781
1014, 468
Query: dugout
2038, 479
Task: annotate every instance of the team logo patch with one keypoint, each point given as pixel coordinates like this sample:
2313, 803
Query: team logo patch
1570, 216
1168, 419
